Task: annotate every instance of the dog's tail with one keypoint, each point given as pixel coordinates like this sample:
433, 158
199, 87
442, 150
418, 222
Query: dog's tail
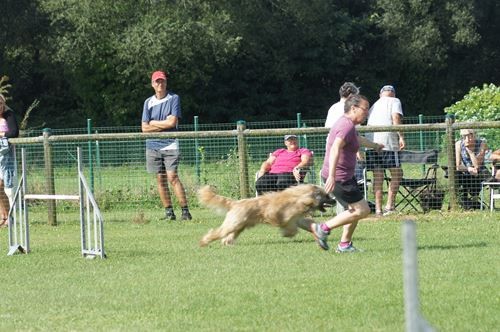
207, 196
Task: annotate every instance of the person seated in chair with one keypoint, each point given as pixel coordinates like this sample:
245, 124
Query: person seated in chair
470, 168
284, 167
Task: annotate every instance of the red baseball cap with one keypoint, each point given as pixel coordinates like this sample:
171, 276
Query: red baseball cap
158, 75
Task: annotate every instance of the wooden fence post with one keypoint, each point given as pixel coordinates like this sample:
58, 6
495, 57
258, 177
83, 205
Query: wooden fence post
49, 177
450, 152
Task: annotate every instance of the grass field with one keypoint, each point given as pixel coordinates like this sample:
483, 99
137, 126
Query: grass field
156, 278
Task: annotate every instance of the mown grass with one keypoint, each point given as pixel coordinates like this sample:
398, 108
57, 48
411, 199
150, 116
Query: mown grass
156, 278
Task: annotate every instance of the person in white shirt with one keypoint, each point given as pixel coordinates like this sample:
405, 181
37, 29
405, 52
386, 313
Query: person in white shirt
337, 109
386, 111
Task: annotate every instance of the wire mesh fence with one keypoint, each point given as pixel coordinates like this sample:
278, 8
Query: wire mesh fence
196, 125
114, 163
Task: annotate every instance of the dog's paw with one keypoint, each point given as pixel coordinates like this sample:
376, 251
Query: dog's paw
228, 240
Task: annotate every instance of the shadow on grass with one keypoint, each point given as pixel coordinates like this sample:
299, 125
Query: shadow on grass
279, 240
453, 246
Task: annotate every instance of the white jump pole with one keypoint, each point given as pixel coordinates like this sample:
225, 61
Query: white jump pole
414, 321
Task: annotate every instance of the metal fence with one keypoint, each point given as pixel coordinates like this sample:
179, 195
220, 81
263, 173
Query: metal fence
196, 125
114, 163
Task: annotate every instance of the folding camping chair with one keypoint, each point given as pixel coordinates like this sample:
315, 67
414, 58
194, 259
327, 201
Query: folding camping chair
412, 190
421, 192
494, 188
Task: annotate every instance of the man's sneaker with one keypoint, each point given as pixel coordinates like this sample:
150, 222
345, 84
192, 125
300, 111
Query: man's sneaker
347, 249
320, 236
169, 214
186, 215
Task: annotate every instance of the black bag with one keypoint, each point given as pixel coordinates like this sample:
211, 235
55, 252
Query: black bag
431, 199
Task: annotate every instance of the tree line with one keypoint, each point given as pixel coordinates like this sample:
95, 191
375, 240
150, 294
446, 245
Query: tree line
257, 60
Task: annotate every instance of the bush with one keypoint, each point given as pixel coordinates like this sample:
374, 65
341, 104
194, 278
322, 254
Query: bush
480, 104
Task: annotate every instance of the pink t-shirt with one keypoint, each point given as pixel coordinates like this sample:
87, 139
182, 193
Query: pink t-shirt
287, 160
344, 128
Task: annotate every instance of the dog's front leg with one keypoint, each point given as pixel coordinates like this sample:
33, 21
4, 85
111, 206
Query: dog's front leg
305, 224
290, 229
230, 239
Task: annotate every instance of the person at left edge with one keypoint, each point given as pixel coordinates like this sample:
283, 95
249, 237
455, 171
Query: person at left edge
8, 129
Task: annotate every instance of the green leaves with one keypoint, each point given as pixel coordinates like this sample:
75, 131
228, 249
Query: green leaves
425, 31
260, 60
480, 104
4, 86
109, 49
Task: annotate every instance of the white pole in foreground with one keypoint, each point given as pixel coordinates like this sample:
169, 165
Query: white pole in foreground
414, 321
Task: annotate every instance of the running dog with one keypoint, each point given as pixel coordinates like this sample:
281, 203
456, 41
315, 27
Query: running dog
285, 209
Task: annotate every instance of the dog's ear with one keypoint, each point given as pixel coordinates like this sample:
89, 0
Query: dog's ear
312, 199
308, 202
320, 194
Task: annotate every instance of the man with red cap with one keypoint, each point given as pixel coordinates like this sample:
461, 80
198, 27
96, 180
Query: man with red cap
161, 113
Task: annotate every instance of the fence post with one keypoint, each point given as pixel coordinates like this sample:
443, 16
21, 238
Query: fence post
49, 177
421, 136
299, 120
98, 160
450, 151
197, 151
91, 168
299, 125
242, 156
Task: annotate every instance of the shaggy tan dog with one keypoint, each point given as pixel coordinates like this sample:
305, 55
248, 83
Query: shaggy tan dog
285, 209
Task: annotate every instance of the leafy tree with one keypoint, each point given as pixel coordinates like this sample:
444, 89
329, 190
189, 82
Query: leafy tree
477, 64
480, 104
4, 86
21, 33
293, 57
109, 49
256, 60
4, 90
424, 30
421, 38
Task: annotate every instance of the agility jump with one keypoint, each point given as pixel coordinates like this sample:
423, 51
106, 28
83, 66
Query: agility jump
91, 221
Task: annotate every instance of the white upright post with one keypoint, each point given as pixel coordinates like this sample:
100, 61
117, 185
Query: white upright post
19, 240
414, 321
82, 205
